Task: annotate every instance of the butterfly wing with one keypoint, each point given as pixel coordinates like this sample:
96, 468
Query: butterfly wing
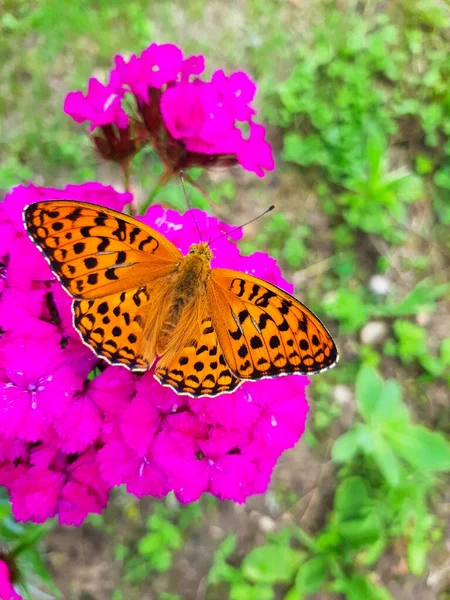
123, 327
95, 251
118, 271
264, 331
193, 363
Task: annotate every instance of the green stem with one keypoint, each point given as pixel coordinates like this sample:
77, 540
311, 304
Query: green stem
31, 540
198, 187
305, 539
126, 176
149, 201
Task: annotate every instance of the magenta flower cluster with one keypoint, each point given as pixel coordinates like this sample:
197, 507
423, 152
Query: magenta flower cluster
72, 427
7, 591
201, 117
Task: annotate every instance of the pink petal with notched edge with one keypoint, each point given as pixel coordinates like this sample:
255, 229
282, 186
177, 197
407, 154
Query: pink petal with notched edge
80, 426
164, 399
163, 63
138, 423
34, 495
255, 154
85, 492
194, 65
101, 105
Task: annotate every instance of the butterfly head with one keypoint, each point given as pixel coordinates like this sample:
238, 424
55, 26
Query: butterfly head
201, 250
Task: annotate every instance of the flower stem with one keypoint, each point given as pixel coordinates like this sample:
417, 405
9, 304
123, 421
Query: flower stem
126, 176
132, 207
149, 201
198, 187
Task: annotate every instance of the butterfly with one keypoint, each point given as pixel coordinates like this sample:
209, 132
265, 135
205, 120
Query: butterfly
138, 299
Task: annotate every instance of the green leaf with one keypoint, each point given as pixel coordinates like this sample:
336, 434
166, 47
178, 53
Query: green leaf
244, 591
422, 448
271, 564
445, 352
351, 498
369, 386
391, 408
442, 178
294, 252
311, 575
360, 588
387, 461
417, 556
345, 447
227, 547
421, 297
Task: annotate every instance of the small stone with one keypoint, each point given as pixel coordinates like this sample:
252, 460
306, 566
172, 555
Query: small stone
423, 318
374, 332
266, 524
217, 533
343, 394
380, 285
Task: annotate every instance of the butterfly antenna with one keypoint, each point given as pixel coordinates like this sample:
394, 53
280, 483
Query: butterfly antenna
190, 206
244, 225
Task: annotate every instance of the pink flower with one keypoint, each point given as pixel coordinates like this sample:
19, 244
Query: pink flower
119, 465
130, 77
188, 121
72, 427
70, 490
101, 105
162, 63
183, 111
84, 491
196, 464
283, 411
37, 389
240, 89
7, 591
80, 425
34, 495
255, 154
21, 196
194, 65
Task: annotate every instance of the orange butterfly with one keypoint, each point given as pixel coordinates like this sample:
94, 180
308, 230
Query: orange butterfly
136, 297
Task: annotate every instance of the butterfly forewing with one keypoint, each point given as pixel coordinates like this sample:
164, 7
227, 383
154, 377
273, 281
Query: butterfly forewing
264, 331
116, 269
96, 251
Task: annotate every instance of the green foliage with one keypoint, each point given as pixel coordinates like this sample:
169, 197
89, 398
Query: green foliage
21, 544
353, 307
388, 473
163, 534
345, 99
363, 112
281, 240
411, 345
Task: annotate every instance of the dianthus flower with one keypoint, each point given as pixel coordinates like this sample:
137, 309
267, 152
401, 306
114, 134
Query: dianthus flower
72, 427
7, 591
189, 121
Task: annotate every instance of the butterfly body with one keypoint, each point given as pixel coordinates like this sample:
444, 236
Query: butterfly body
138, 300
188, 283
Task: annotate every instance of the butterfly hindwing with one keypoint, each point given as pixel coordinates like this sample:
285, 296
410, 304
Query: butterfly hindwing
196, 366
123, 327
264, 331
96, 251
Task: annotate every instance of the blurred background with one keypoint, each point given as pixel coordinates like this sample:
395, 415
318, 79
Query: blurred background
356, 98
